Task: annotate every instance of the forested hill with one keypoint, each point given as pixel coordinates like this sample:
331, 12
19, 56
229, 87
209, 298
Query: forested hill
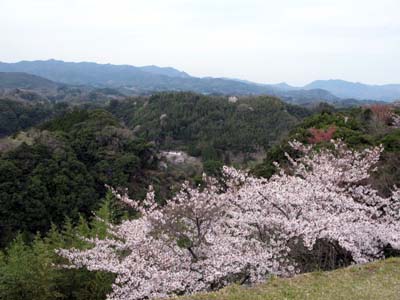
14, 80
215, 128
58, 168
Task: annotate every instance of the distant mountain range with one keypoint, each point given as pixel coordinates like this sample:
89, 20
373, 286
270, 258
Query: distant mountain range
356, 90
148, 79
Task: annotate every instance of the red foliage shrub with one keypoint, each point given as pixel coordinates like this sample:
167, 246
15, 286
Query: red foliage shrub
321, 135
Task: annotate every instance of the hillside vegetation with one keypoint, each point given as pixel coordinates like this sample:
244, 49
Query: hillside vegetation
211, 127
373, 281
67, 160
16, 116
53, 176
59, 170
357, 127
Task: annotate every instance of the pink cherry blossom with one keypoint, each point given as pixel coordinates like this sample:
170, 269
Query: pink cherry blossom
242, 230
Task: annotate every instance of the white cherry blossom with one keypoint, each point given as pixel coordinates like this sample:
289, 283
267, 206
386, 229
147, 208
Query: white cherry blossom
243, 230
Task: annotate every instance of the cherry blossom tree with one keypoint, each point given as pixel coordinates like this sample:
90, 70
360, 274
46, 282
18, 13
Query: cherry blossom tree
396, 121
385, 114
246, 228
382, 113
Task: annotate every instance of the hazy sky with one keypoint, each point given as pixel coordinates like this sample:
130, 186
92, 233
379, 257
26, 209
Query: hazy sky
267, 41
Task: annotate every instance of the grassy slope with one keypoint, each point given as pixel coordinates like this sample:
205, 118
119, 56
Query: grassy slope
374, 281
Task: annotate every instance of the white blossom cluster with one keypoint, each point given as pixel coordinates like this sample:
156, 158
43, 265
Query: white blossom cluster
396, 120
207, 237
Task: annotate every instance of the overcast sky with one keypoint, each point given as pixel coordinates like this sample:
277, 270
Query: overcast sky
296, 41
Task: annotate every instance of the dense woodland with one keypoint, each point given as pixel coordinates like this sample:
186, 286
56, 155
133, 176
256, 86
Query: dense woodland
210, 127
56, 160
60, 170
16, 116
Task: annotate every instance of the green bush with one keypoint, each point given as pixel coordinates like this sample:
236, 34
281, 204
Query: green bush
31, 270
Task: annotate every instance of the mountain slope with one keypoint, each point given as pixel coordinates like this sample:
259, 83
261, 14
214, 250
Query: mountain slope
78, 73
299, 96
167, 71
16, 80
